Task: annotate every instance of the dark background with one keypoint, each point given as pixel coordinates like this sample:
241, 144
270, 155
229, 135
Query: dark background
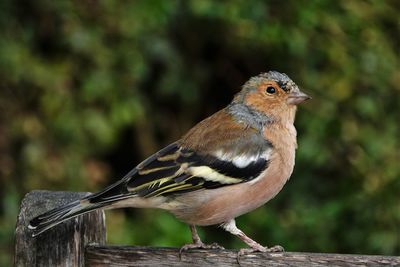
90, 88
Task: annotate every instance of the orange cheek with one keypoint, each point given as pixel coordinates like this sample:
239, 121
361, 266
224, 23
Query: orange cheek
261, 102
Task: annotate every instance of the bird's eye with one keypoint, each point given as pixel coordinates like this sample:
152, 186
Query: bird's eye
270, 90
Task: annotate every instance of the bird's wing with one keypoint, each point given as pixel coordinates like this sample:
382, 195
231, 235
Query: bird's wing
217, 152
177, 170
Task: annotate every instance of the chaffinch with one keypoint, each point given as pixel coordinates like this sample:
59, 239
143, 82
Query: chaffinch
227, 165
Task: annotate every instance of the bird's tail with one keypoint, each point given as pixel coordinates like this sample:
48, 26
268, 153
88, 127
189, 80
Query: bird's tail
55, 216
101, 200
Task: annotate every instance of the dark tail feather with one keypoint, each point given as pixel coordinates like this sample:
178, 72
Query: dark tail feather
53, 217
114, 193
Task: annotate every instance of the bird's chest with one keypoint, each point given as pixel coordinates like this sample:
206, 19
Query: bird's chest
281, 165
283, 139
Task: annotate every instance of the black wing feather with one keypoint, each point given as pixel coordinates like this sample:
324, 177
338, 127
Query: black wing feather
225, 167
164, 174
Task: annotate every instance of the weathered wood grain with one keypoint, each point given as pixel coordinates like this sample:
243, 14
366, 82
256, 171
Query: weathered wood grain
147, 256
80, 242
64, 244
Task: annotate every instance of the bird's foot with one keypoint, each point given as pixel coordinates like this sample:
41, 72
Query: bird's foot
245, 251
258, 248
199, 245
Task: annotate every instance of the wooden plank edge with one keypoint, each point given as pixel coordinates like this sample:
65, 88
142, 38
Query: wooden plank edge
161, 256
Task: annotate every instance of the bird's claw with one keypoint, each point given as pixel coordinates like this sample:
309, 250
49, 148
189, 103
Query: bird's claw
276, 248
245, 251
199, 246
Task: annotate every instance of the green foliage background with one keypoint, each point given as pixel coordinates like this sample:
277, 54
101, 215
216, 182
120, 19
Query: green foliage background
90, 88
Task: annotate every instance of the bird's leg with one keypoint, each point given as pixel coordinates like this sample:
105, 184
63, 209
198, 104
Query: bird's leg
195, 236
231, 228
197, 243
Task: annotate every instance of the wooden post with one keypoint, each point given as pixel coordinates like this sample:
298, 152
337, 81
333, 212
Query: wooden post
62, 245
102, 256
80, 242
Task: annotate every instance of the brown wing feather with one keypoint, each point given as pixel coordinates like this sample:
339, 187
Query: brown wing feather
221, 131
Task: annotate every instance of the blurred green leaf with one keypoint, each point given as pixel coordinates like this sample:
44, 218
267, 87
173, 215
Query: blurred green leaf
103, 84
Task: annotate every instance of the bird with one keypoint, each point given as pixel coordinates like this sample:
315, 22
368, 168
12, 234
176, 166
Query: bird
227, 165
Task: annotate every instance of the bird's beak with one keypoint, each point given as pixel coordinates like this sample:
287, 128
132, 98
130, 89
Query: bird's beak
297, 97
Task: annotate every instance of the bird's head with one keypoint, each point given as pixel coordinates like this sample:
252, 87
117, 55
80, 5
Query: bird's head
272, 93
